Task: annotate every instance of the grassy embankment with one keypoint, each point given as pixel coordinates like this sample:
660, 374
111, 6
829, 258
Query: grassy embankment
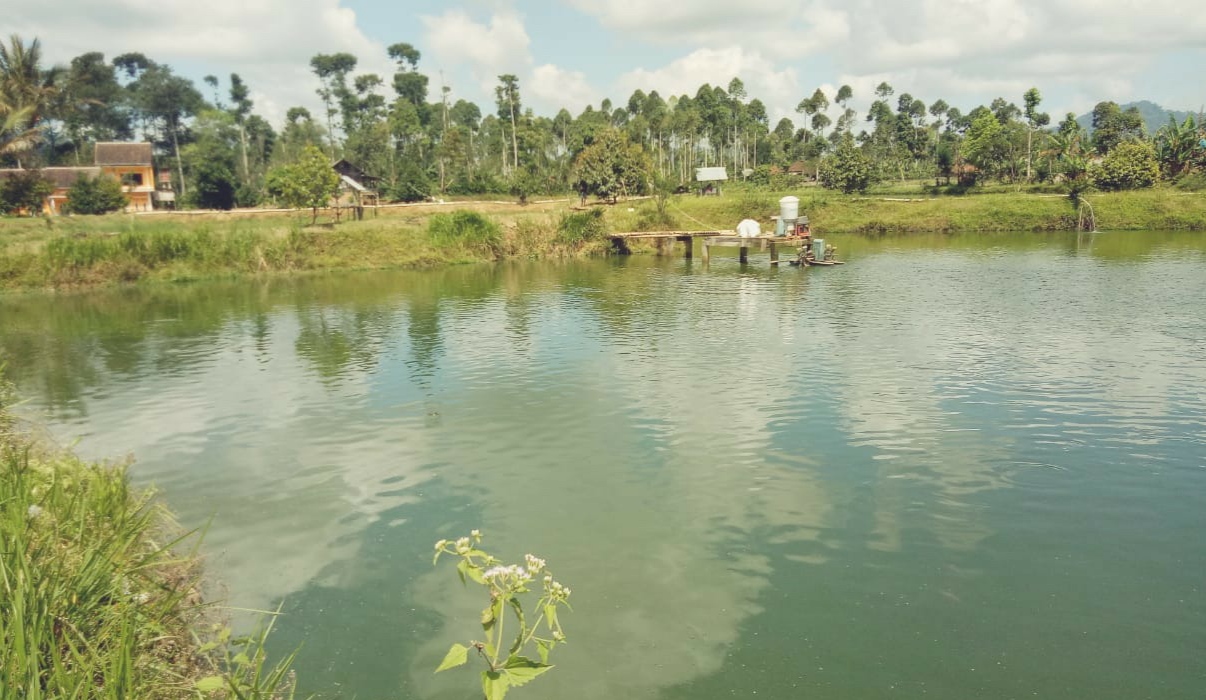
81, 251
95, 600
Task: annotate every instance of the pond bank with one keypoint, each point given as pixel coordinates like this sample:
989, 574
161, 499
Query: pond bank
98, 597
91, 251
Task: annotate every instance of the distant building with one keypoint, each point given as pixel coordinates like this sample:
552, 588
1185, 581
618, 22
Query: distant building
356, 187
129, 163
709, 179
133, 165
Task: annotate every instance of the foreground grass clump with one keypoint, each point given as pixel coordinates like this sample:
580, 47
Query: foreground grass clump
577, 227
468, 230
93, 601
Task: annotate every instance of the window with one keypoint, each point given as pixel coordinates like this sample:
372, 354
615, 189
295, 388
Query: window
132, 179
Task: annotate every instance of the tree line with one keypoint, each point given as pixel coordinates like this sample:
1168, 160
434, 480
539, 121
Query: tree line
417, 145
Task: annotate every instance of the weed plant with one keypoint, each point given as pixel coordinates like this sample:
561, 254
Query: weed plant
467, 229
94, 601
577, 227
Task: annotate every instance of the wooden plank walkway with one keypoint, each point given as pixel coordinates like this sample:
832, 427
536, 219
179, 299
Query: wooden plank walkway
721, 239
664, 239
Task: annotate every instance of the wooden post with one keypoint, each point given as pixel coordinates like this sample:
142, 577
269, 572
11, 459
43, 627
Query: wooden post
706, 250
745, 254
661, 246
688, 247
774, 251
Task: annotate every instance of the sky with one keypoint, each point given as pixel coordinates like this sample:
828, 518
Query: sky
571, 53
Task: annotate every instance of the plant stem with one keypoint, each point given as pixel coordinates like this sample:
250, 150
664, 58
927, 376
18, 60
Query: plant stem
502, 617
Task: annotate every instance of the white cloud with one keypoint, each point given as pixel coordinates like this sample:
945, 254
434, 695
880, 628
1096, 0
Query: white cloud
555, 86
775, 87
962, 50
488, 50
268, 42
965, 51
499, 46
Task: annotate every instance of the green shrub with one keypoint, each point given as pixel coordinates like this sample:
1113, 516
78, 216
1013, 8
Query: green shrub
467, 229
24, 192
581, 226
1130, 165
213, 185
848, 169
412, 184
99, 195
1193, 182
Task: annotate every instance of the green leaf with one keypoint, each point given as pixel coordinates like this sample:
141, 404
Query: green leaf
550, 616
475, 573
210, 683
241, 659
523, 625
521, 670
461, 569
457, 656
495, 612
494, 685
543, 648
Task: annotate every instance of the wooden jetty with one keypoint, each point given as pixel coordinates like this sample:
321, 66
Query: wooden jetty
722, 239
664, 240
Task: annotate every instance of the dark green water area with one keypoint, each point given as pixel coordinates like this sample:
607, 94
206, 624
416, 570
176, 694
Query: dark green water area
956, 467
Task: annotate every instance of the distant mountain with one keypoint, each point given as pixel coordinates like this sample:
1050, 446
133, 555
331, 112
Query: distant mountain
1154, 116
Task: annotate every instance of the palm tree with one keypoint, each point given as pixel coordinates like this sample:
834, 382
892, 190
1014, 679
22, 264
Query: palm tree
1069, 149
26, 92
16, 136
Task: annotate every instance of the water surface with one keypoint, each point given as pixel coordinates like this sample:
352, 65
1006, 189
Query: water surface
955, 467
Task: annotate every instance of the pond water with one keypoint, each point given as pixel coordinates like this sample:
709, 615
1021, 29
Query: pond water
956, 467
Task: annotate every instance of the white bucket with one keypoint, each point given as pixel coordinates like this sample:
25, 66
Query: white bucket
789, 208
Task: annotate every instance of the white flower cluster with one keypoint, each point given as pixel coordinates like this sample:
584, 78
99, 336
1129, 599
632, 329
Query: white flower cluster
462, 545
557, 591
535, 564
34, 510
503, 575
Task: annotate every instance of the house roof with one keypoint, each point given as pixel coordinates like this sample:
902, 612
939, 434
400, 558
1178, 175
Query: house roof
349, 182
61, 178
712, 174
66, 177
343, 167
123, 153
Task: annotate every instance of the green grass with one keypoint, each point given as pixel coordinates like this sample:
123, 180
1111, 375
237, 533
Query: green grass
85, 251
95, 602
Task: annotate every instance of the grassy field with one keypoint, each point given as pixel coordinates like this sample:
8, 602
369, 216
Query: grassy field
98, 595
83, 251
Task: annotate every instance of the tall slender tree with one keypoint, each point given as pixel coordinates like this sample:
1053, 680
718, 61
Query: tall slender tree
507, 99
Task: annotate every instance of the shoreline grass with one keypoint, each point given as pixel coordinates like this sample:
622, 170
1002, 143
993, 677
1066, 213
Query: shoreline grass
81, 251
98, 596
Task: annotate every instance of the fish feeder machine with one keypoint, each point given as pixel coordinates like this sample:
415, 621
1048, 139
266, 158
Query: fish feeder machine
789, 222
